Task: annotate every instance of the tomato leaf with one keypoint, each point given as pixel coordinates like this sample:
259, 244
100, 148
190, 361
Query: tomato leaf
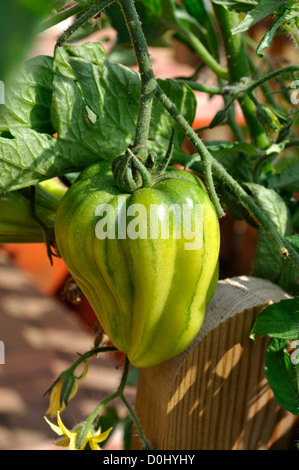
90, 52
19, 23
274, 206
258, 13
91, 105
155, 16
269, 36
282, 375
268, 263
30, 157
279, 320
69, 115
28, 98
288, 177
283, 17
230, 153
111, 92
83, 2
239, 6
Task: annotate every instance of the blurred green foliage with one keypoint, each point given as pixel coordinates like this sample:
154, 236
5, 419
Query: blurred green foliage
19, 25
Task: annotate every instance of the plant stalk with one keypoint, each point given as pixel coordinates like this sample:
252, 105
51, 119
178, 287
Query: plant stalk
204, 87
93, 10
136, 422
148, 82
193, 137
204, 53
238, 69
119, 393
284, 248
92, 352
65, 15
275, 73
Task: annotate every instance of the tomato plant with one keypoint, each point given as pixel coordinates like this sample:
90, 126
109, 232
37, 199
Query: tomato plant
85, 118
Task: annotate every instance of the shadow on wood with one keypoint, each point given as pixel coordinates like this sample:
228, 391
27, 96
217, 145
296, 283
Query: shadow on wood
215, 395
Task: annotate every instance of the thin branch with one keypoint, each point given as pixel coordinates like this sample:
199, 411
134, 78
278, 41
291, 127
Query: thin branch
119, 393
237, 64
82, 20
285, 249
98, 410
204, 53
205, 88
135, 420
92, 352
65, 15
202, 150
292, 143
275, 73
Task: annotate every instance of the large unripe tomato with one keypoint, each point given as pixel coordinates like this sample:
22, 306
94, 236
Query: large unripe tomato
149, 288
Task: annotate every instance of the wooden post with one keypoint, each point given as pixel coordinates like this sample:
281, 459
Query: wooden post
215, 395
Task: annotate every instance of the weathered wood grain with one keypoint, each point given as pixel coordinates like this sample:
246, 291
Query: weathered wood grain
215, 395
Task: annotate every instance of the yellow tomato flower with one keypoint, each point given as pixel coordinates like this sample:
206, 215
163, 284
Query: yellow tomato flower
68, 380
55, 398
70, 436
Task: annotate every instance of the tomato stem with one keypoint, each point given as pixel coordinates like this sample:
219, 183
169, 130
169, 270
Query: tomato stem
119, 393
282, 245
203, 52
166, 160
149, 87
239, 69
206, 157
271, 75
147, 445
64, 15
130, 173
148, 82
89, 13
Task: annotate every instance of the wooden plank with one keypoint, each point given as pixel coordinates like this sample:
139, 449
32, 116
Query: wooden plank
215, 395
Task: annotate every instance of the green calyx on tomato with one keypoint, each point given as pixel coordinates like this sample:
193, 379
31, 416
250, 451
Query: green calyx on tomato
131, 173
148, 292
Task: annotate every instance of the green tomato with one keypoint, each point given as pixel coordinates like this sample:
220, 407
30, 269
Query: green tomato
16, 222
146, 278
